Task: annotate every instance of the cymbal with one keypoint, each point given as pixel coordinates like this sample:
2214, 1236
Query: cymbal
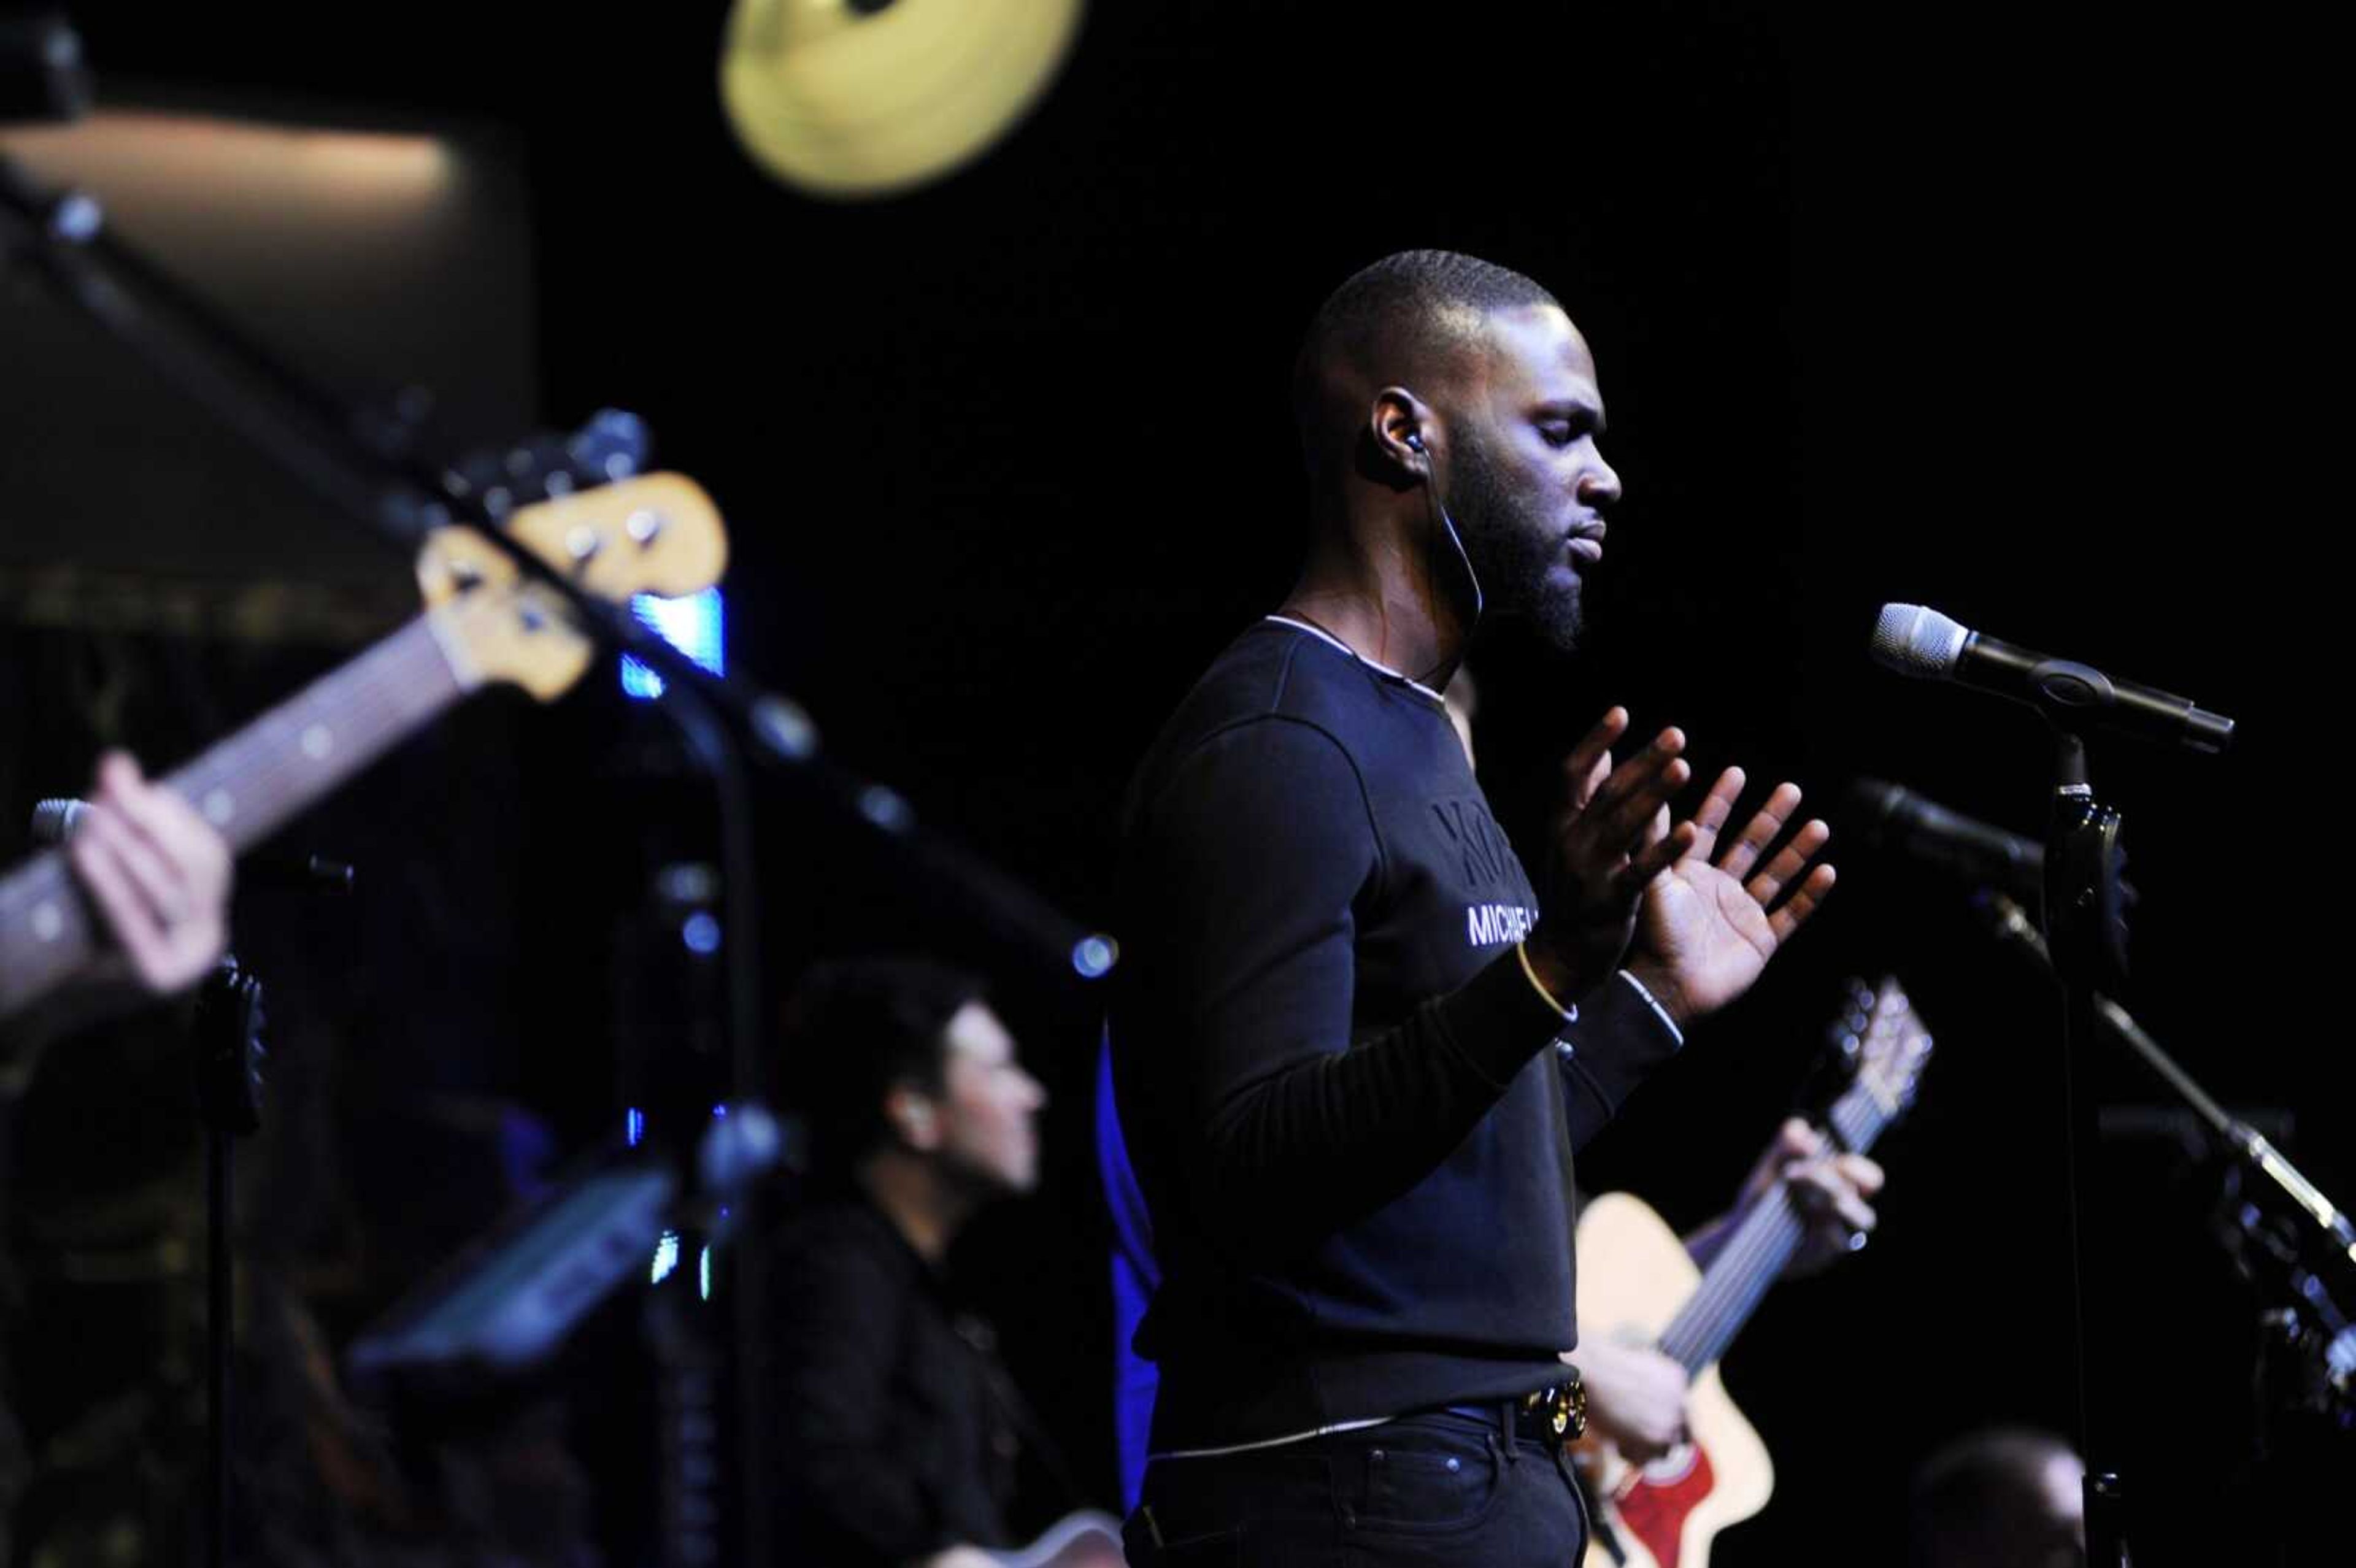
856, 98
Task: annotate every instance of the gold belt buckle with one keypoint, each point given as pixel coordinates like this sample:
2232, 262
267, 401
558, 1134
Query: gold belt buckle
1565, 1407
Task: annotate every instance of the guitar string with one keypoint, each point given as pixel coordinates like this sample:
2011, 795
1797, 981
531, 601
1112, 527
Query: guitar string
1742, 1279
1756, 1236
367, 687
1724, 1280
1738, 1277
384, 694
1737, 1280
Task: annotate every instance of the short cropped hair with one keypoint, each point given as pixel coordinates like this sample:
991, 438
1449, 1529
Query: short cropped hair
1397, 320
1982, 1500
856, 1029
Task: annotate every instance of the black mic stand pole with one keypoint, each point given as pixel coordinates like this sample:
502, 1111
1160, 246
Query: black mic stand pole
2082, 921
228, 1072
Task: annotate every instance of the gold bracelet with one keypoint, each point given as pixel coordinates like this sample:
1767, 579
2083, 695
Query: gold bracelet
1569, 1015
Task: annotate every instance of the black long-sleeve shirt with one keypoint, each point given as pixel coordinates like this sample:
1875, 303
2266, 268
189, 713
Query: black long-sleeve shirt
891, 1442
1352, 1115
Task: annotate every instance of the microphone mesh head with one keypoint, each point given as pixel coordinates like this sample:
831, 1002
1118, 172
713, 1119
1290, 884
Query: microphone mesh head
1914, 640
55, 821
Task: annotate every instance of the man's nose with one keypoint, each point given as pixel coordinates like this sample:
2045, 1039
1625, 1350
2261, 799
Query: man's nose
1600, 485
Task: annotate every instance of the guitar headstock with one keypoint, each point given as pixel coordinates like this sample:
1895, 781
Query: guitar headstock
657, 534
1880, 1046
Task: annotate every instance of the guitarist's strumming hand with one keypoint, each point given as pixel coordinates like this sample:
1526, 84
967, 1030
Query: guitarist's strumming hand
1711, 920
1636, 1397
1608, 840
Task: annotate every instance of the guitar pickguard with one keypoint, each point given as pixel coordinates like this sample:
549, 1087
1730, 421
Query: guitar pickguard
1657, 1500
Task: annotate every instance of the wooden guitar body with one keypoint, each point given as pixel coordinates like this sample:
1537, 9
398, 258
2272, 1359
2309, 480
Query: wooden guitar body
1633, 1277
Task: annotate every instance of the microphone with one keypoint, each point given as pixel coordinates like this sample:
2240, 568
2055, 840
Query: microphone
1919, 642
1895, 818
55, 821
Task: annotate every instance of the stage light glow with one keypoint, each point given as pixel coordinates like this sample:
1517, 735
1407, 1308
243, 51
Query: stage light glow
694, 624
242, 162
666, 1258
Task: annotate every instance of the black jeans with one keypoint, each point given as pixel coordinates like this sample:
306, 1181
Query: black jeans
1431, 1488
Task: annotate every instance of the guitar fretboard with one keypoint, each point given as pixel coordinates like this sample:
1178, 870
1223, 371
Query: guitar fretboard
1762, 1243
247, 786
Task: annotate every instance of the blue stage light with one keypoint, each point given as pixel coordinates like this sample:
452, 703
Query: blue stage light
1093, 957
695, 626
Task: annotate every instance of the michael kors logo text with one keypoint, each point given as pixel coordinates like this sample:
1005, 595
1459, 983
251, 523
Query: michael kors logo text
1490, 925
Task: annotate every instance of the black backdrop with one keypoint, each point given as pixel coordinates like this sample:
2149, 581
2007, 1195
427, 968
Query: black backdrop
1985, 310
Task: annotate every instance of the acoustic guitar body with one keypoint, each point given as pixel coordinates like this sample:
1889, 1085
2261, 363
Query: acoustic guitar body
1633, 1277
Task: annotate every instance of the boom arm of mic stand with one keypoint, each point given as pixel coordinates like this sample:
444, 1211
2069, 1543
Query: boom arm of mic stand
2329, 1233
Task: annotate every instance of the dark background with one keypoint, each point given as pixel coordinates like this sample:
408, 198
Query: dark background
2009, 316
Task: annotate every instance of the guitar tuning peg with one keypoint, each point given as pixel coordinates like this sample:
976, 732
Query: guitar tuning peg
611, 444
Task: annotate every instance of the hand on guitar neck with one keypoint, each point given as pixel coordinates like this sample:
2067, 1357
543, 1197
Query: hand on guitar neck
159, 875
1830, 1190
148, 896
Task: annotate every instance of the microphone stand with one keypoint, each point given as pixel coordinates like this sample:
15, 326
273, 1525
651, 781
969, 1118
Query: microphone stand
2084, 918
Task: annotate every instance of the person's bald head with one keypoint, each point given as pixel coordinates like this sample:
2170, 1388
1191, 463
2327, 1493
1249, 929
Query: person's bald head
1999, 1498
1418, 319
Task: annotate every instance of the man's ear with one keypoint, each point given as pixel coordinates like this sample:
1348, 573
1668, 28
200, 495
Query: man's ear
1404, 432
914, 1120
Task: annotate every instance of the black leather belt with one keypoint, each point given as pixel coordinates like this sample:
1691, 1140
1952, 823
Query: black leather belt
1553, 1416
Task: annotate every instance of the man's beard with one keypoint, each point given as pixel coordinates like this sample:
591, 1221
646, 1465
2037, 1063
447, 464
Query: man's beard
1520, 567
